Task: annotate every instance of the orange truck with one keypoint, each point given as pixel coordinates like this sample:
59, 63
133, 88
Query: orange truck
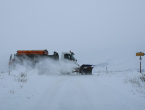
35, 56
31, 55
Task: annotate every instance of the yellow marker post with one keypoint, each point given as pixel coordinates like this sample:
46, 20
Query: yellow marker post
140, 54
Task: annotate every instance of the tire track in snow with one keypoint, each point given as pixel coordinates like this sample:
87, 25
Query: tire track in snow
49, 96
81, 92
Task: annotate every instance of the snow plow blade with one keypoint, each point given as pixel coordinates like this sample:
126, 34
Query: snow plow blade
85, 69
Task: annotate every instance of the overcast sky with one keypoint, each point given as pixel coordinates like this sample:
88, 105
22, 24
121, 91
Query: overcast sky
90, 28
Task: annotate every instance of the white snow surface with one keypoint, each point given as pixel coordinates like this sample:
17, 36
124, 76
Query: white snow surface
100, 91
46, 88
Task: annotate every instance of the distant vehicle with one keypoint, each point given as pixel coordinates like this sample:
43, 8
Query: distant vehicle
37, 55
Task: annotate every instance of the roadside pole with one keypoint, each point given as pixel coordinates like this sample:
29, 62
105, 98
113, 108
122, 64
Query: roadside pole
140, 54
10, 64
140, 64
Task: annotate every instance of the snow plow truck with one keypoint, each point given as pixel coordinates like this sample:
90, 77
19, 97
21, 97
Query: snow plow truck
37, 55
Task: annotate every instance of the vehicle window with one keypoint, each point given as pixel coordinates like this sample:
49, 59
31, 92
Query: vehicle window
67, 56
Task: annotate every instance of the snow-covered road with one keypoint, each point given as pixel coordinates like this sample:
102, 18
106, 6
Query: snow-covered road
76, 92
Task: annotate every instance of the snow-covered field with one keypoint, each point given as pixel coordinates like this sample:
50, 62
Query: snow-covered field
100, 91
104, 33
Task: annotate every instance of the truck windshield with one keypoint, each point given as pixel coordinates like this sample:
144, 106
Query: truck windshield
72, 56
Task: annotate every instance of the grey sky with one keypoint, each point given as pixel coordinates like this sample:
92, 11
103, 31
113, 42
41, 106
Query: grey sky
87, 27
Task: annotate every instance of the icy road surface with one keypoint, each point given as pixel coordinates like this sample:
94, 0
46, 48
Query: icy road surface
102, 91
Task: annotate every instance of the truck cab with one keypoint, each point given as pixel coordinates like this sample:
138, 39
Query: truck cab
68, 56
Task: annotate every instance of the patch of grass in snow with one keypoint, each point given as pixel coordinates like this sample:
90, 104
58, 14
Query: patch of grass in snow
142, 77
138, 82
